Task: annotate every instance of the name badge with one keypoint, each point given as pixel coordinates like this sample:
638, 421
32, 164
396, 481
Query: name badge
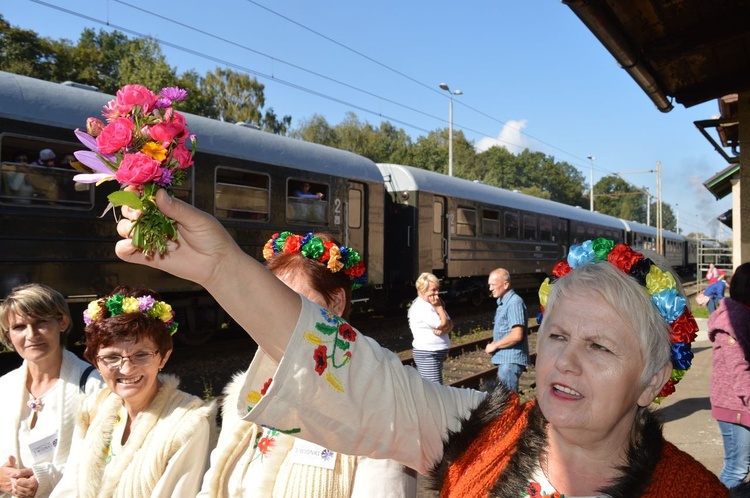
44, 448
308, 453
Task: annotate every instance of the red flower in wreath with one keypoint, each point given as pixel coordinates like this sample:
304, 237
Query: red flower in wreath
320, 355
347, 332
623, 257
667, 389
561, 269
684, 328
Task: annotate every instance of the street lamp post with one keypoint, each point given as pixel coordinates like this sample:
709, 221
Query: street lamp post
445, 87
591, 183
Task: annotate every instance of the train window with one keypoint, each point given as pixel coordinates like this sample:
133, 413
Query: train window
545, 230
511, 225
466, 222
529, 227
438, 214
491, 226
580, 234
355, 208
28, 177
591, 232
242, 195
307, 202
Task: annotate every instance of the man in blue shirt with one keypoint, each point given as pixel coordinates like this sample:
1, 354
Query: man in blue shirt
715, 293
509, 347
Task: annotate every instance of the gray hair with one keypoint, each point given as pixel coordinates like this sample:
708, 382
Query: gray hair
36, 301
630, 301
426, 279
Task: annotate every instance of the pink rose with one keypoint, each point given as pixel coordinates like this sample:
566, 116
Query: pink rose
115, 136
132, 95
137, 169
183, 156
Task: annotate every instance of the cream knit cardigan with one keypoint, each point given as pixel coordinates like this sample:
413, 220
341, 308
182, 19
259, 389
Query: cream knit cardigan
70, 397
172, 421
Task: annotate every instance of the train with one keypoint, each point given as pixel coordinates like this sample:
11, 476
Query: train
403, 220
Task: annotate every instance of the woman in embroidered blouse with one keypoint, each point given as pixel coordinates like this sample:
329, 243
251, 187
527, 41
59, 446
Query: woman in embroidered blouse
250, 460
140, 437
615, 336
431, 327
42, 396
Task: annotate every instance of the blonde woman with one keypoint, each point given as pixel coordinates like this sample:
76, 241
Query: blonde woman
431, 327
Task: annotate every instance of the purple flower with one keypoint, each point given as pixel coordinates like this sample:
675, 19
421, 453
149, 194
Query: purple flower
145, 303
86, 318
165, 180
326, 455
162, 103
174, 93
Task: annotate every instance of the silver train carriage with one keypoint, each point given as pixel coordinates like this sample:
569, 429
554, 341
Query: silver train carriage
53, 233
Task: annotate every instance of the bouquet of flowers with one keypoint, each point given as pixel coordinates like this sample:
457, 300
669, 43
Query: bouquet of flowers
142, 146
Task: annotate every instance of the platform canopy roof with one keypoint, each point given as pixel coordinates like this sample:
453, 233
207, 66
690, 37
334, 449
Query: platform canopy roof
684, 51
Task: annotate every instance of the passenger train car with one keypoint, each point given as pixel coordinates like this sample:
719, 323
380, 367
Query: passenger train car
403, 220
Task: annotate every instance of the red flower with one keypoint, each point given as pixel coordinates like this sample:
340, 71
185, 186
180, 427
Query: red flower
667, 389
534, 490
561, 269
347, 332
265, 444
132, 95
265, 387
183, 157
320, 355
292, 244
684, 329
172, 126
623, 257
356, 270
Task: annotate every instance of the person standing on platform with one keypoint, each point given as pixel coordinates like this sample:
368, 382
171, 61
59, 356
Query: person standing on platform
510, 346
729, 331
715, 293
431, 327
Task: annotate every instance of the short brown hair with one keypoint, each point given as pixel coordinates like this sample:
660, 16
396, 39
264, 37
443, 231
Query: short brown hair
126, 327
36, 301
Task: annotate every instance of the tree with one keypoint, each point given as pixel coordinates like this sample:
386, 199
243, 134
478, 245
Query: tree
23, 52
616, 197
144, 63
316, 130
493, 166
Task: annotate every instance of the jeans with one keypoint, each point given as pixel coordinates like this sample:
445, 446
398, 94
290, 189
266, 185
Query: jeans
510, 373
736, 453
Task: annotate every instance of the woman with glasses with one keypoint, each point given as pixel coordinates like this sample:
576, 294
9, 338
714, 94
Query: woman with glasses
140, 436
42, 397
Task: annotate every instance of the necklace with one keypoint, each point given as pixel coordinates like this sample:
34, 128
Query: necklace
36, 404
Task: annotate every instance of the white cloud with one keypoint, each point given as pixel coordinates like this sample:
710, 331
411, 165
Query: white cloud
510, 137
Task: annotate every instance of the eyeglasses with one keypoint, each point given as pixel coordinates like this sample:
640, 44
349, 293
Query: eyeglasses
114, 361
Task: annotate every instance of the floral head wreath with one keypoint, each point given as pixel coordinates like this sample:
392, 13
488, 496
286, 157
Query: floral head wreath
659, 285
117, 304
335, 257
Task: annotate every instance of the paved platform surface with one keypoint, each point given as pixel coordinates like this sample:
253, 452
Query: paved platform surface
687, 412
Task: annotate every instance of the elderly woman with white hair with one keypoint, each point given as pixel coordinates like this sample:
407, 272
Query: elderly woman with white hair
615, 337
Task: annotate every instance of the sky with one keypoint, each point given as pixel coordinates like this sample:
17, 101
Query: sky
531, 76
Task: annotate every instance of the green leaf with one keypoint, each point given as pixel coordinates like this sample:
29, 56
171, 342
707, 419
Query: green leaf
123, 198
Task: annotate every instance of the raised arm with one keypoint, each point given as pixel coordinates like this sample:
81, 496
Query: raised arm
206, 254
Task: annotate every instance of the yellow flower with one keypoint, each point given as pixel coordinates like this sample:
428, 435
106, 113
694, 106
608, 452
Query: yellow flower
334, 263
155, 151
253, 397
130, 305
164, 311
544, 292
93, 309
657, 280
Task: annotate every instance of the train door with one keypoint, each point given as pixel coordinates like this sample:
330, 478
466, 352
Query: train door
439, 238
354, 224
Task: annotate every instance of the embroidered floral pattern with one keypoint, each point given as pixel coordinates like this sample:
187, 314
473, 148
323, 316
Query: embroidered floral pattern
332, 338
534, 490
